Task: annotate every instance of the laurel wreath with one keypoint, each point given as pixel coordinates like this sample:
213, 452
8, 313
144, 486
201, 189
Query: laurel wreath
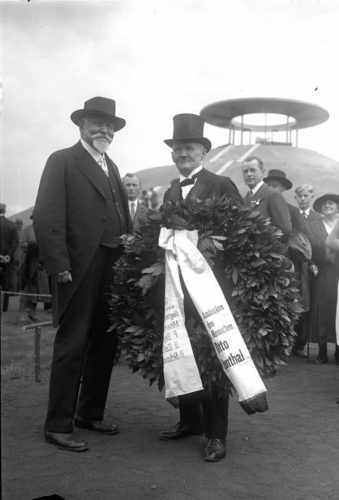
248, 256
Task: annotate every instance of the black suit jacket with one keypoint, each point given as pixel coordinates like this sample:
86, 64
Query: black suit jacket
207, 185
71, 214
272, 206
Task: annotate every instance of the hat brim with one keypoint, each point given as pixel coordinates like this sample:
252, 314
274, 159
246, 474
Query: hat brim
200, 140
77, 115
329, 196
285, 182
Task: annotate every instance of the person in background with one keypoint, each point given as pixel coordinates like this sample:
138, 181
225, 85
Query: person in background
19, 256
35, 278
9, 242
332, 243
263, 198
80, 215
300, 252
313, 228
137, 208
323, 314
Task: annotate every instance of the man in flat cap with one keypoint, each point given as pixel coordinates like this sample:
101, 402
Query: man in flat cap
80, 213
203, 411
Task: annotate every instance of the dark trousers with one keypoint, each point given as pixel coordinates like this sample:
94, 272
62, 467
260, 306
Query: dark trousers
302, 329
83, 350
205, 412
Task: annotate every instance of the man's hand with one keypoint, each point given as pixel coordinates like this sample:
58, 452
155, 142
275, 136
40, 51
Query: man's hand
64, 277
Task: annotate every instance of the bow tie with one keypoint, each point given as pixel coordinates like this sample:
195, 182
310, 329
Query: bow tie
189, 181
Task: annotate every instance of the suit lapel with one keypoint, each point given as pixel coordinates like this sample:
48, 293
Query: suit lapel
90, 169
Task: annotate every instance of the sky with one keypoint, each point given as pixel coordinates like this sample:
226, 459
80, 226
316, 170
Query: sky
156, 58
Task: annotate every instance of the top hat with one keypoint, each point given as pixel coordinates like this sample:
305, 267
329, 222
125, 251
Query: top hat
99, 106
279, 175
188, 128
328, 196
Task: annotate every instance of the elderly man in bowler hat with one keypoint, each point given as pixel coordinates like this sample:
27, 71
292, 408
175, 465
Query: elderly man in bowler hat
200, 411
81, 211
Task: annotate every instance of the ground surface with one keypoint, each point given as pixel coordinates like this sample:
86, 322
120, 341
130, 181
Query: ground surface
288, 453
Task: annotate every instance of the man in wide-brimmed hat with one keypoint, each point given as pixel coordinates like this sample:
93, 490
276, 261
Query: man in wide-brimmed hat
200, 411
80, 213
300, 252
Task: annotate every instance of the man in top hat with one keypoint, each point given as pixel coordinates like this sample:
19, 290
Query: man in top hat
263, 198
199, 412
81, 211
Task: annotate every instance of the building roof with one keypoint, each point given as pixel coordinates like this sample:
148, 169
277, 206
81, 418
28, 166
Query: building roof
303, 114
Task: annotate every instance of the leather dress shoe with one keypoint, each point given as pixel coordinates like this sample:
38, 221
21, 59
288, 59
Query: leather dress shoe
65, 441
179, 431
97, 426
215, 450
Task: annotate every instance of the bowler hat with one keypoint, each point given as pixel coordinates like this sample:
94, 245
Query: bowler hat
279, 175
188, 128
99, 106
328, 196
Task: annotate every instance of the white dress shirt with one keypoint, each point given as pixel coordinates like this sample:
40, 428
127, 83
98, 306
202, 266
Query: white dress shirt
98, 157
256, 188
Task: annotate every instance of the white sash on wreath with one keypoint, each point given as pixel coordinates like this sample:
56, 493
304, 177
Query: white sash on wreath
180, 369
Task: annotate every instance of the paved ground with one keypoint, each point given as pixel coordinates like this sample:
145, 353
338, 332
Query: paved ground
289, 453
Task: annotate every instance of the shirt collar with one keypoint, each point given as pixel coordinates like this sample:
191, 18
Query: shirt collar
257, 187
195, 171
306, 211
93, 152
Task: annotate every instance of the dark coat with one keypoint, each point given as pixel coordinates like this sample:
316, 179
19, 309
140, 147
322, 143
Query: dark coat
140, 215
324, 285
9, 241
272, 206
71, 215
208, 185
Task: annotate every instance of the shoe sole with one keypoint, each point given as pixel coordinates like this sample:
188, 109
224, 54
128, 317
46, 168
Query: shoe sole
66, 448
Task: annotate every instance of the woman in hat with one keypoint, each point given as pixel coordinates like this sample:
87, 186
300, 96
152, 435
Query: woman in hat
326, 283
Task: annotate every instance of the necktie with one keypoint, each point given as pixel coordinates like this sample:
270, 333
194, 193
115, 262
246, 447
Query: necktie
304, 214
187, 182
103, 165
133, 210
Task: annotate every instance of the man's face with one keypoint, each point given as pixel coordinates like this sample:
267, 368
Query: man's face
252, 173
187, 156
276, 185
304, 199
98, 132
132, 186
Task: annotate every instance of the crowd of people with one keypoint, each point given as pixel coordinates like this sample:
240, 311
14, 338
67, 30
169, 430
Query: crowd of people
83, 208
22, 271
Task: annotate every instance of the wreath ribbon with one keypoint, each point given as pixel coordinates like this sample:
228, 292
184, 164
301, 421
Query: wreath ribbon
181, 373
